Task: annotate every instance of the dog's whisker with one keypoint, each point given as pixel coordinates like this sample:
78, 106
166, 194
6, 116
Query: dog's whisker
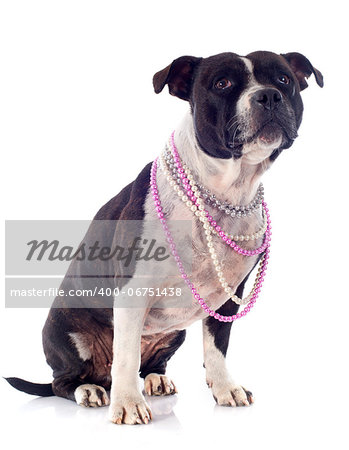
232, 125
232, 119
234, 136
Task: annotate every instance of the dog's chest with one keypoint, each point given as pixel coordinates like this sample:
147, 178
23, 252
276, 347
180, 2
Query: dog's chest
193, 249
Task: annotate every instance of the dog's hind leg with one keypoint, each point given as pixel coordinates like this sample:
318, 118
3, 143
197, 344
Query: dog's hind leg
81, 369
73, 381
156, 351
85, 394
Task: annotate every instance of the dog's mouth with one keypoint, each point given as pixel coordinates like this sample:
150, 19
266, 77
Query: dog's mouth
269, 134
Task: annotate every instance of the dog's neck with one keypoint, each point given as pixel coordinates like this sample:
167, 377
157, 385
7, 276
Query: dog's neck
233, 180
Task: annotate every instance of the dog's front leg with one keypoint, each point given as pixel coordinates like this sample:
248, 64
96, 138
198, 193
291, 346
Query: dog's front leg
127, 404
225, 391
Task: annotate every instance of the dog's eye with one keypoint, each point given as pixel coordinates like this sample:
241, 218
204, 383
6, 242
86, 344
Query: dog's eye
224, 83
284, 79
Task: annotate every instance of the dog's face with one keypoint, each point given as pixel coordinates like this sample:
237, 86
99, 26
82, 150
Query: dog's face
241, 106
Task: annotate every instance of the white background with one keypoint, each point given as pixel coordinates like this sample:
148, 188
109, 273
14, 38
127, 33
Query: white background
79, 120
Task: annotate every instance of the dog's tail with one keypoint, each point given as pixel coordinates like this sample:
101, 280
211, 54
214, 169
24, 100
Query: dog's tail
42, 390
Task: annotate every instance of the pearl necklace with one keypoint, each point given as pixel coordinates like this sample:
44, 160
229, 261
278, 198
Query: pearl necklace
249, 237
204, 306
199, 211
210, 198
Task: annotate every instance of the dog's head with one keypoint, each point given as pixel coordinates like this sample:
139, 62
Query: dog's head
241, 106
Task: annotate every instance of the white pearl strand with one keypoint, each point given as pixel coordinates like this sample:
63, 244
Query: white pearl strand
248, 237
199, 211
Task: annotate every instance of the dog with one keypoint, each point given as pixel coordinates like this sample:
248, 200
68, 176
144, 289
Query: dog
244, 111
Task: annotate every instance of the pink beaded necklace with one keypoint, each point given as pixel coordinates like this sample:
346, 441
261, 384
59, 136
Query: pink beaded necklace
264, 248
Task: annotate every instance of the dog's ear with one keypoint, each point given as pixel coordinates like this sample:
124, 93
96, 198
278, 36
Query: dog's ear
303, 68
178, 75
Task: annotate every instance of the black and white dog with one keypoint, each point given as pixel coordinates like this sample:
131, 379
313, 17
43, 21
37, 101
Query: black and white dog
243, 112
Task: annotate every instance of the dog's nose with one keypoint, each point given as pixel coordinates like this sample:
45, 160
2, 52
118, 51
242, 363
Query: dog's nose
268, 98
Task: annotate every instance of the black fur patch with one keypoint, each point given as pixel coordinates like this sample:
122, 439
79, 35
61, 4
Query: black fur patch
221, 330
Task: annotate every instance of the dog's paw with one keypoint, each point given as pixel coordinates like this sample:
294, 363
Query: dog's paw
91, 395
231, 395
155, 384
129, 409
